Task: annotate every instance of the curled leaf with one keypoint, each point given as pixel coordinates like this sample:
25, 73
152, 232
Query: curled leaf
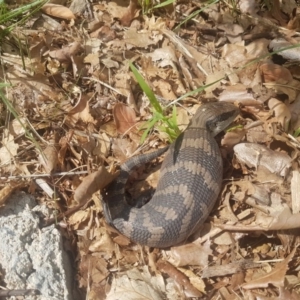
92, 183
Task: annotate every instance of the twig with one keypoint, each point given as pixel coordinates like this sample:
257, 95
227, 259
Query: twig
43, 175
103, 83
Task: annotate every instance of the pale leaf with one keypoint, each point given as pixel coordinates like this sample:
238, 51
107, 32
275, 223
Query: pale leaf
9, 149
254, 155
58, 11
124, 288
49, 158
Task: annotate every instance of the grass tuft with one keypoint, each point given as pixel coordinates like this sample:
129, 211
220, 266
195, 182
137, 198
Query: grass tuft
160, 118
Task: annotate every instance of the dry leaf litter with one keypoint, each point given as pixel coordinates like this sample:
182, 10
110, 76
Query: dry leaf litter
80, 109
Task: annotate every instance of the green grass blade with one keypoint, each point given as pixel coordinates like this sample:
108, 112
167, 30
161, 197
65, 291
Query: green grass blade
145, 87
20, 10
297, 132
165, 3
149, 125
211, 2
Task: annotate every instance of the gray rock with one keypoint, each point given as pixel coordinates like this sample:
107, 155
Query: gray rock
32, 257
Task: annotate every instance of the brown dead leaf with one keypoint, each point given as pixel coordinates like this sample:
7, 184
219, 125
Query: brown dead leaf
137, 284
232, 138
122, 240
105, 34
93, 183
188, 254
123, 85
224, 238
224, 294
276, 220
165, 89
235, 55
195, 280
233, 31
58, 11
15, 127
103, 145
282, 112
125, 118
181, 279
140, 39
215, 76
6, 192
130, 13
65, 54
83, 113
275, 73
295, 112
277, 14
80, 218
275, 277
63, 143
9, 149
79, 105
49, 158
239, 93
285, 294
94, 268
123, 148
165, 56
294, 22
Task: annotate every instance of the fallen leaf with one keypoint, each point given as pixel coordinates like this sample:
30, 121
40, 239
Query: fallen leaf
58, 11
9, 149
93, 183
275, 277
188, 254
84, 113
248, 7
64, 54
275, 73
7, 191
140, 39
181, 279
133, 286
282, 112
240, 93
48, 158
294, 22
130, 13
124, 117
290, 54
123, 148
255, 155
79, 105
16, 128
